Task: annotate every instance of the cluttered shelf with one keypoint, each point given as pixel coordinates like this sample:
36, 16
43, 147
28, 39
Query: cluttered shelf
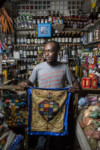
9, 87
90, 89
87, 124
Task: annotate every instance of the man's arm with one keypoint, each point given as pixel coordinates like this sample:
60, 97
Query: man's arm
75, 87
31, 80
26, 84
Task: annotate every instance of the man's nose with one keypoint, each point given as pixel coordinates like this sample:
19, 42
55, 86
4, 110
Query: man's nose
46, 53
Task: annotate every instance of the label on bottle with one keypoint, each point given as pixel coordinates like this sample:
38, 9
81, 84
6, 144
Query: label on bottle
46, 20
18, 40
32, 40
21, 52
24, 54
21, 67
66, 40
31, 53
56, 39
28, 41
74, 40
63, 40
70, 39
27, 53
38, 20
39, 41
35, 53
22, 40
59, 39
78, 40
50, 19
34, 21
42, 20
73, 53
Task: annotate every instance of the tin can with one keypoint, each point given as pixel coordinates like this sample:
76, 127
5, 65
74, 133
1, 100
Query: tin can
94, 83
88, 82
83, 82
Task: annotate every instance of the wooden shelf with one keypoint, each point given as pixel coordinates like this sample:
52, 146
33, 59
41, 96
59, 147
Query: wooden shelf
10, 87
26, 29
94, 42
60, 27
90, 89
88, 27
97, 22
7, 82
22, 45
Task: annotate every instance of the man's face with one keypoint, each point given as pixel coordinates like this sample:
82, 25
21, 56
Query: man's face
50, 53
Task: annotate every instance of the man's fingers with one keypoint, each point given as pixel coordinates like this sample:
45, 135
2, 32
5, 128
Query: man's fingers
73, 90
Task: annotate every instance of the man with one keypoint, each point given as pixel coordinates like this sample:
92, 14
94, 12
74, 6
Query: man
51, 74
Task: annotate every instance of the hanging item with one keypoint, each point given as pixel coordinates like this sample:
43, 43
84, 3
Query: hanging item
48, 111
93, 3
5, 21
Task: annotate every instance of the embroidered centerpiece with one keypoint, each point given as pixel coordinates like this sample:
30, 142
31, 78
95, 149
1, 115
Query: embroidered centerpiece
48, 111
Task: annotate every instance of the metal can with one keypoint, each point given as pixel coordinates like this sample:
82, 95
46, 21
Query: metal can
83, 82
94, 83
88, 82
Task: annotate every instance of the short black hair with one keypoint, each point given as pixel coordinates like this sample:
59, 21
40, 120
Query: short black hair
56, 44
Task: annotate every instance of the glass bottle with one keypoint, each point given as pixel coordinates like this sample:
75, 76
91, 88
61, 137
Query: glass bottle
73, 52
49, 17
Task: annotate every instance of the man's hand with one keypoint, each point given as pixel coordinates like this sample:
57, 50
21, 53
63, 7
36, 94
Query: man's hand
75, 87
24, 85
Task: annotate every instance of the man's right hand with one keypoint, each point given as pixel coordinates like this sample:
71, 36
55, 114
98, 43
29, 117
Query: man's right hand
24, 85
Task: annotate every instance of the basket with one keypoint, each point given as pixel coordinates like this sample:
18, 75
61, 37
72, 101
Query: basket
59, 27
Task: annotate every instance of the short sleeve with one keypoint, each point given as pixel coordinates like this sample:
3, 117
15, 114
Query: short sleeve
69, 76
33, 76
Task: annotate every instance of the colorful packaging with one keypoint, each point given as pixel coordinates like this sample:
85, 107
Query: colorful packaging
88, 82
94, 83
83, 82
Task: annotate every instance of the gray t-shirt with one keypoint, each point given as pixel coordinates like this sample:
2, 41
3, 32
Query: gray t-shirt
51, 76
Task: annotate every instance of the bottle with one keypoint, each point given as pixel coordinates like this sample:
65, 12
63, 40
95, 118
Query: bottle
69, 51
46, 19
63, 37
49, 17
38, 19
73, 52
25, 21
53, 18
28, 38
70, 38
31, 38
24, 39
66, 37
42, 19
22, 21
17, 39
21, 38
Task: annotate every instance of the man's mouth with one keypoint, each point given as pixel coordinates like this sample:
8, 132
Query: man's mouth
48, 58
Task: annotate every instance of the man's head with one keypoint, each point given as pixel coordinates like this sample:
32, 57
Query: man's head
51, 50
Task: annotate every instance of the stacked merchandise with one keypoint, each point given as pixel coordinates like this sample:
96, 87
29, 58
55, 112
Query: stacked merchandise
89, 119
8, 139
14, 105
90, 67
